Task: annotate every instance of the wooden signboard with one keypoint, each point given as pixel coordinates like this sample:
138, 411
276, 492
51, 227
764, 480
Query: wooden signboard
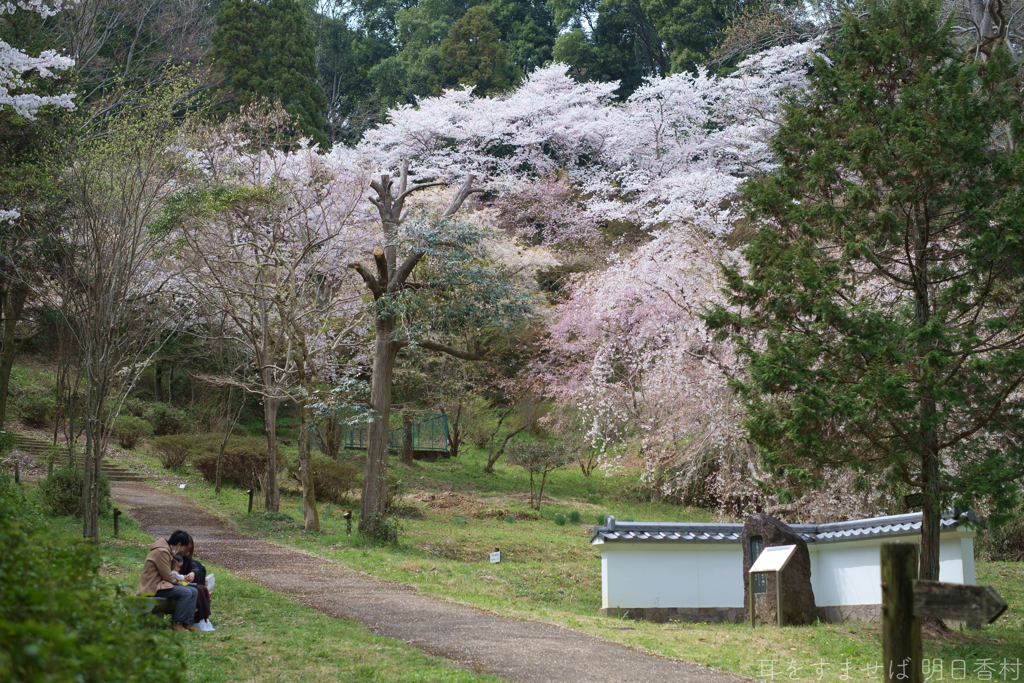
772, 559
975, 605
906, 601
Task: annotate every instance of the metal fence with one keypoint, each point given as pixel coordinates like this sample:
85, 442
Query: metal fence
429, 433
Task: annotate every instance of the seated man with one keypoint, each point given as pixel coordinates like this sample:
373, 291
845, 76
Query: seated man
157, 580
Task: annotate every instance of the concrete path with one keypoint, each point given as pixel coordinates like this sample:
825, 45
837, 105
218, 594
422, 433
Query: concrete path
473, 638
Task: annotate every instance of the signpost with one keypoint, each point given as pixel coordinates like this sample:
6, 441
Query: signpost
906, 601
496, 556
773, 559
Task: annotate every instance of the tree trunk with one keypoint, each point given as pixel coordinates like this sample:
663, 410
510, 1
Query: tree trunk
406, 438
93, 457
272, 494
374, 500
931, 511
455, 432
310, 516
493, 457
158, 381
12, 305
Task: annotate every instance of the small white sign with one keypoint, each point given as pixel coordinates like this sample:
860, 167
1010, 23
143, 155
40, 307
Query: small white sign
773, 559
496, 557
181, 486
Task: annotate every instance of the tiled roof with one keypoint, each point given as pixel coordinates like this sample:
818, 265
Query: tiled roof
688, 532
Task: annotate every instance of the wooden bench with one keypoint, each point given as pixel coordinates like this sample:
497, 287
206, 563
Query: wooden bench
151, 605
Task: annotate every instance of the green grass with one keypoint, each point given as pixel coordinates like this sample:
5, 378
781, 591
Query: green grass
263, 636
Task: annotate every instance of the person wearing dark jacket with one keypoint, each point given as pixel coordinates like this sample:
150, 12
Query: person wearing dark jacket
157, 580
195, 573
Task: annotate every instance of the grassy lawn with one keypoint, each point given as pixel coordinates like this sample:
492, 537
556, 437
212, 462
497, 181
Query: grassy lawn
455, 515
264, 636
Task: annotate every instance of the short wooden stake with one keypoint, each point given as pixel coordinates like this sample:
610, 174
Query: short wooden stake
250, 500
901, 630
117, 513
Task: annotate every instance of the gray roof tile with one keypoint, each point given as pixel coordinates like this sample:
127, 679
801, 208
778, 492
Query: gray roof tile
895, 525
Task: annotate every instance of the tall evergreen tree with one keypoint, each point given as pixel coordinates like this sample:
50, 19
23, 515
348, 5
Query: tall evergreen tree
882, 312
268, 51
473, 54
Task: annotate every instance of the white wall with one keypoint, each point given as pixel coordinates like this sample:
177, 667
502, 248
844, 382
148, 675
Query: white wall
711, 574
672, 575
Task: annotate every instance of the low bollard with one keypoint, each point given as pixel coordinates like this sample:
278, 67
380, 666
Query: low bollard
348, 522
117, 513
250, 500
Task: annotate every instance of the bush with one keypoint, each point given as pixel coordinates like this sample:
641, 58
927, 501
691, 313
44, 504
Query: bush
395, 491
244, 464
166, 419
130, 430
1004, 543
62, 492
332, 480
59, 623
36, 409
134, 407
380, 528
560, 519
176, 450
574, 517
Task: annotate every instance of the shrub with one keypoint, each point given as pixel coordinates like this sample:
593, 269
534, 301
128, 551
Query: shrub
130, 430
1004, 543
59, 621
166, 419
244, 464
395, 491
560, 519
538, 458
176, 449
511, 519
382, 528
332, 480
36, 409
134, 407
62, 492
574, 517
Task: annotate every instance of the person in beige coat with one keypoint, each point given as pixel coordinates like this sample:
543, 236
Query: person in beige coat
157, 580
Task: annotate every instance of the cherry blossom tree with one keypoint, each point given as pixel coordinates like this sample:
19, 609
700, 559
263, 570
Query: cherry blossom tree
263, 233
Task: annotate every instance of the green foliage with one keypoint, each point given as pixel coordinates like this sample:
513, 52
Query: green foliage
166, 419
559, 519
883, 280
473, 54
574, 517
394, 491
381, 528
36, 408
62, 492
511, 519
244, 462
1003, 543
174, 450
267, 51
332, 480
691, 29
539, 458
130, 430
57, 623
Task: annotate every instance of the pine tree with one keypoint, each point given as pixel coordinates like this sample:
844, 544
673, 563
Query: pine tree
882, 312
267, 50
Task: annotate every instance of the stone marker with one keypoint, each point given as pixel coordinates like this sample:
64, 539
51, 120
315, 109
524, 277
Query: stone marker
798, 606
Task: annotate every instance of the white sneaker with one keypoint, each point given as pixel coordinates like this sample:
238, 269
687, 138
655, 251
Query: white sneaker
206, 625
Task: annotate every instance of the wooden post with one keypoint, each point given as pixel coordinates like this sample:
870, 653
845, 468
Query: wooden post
117, 513
778, 596
901, 630
250, 500
750, 592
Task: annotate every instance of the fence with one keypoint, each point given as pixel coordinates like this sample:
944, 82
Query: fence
429, 433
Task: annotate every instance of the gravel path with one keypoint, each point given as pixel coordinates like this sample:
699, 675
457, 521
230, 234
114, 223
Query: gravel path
473, 638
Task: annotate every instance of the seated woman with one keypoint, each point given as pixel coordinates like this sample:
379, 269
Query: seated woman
157, 580
195, 573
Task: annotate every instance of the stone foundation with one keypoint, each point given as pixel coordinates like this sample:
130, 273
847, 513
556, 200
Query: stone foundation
664, 615
871, 614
